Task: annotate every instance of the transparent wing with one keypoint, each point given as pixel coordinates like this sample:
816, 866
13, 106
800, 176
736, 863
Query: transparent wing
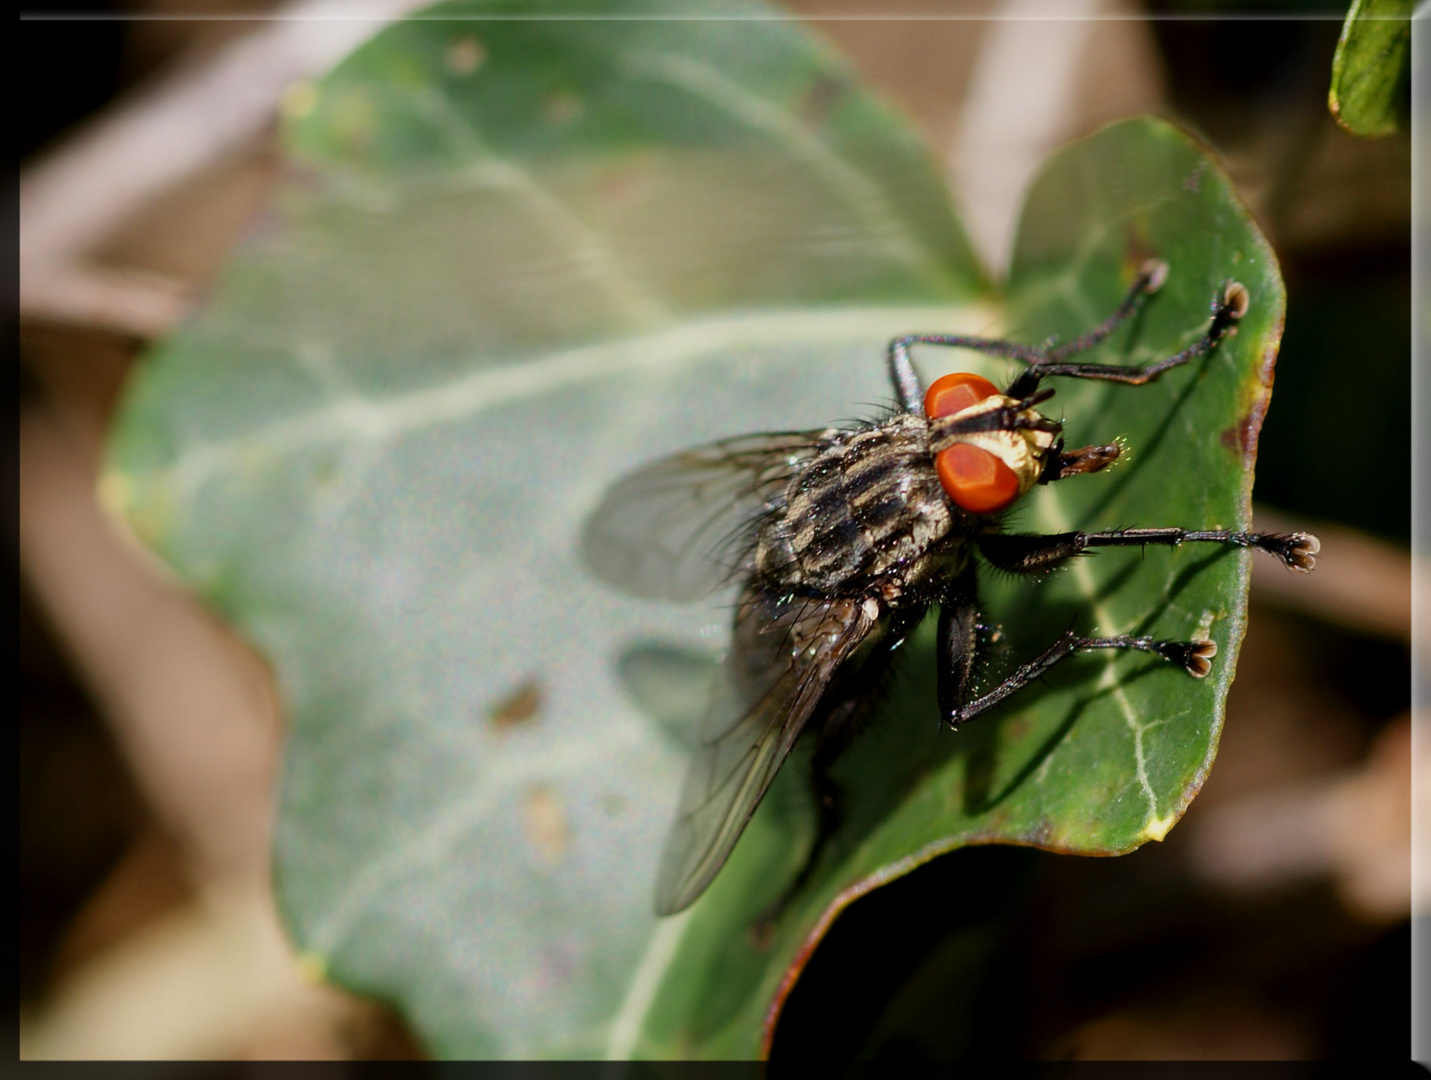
679, 528
785, 652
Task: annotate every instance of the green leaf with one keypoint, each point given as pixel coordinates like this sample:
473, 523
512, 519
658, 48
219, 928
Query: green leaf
514, 257
1371, 71
518, 257
1109, 752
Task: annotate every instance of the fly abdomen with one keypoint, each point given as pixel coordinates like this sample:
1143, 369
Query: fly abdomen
870, 505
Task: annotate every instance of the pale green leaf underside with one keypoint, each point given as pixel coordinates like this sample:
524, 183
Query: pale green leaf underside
517, 258
514, 259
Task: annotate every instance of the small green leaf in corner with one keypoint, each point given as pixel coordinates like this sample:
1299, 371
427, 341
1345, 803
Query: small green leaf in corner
1371, 72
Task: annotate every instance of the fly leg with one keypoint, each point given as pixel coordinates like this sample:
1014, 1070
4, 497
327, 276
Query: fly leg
910, 390
1193, 656
1229, 307
907, 385
958, 643
1030, 553
1023, 553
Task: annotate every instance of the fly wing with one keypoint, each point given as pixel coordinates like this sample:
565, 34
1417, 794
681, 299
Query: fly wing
679, 528
784, 654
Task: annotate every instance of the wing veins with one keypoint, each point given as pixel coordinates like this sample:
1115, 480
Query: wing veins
733, 768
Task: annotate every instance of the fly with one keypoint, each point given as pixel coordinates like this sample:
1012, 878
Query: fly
843, 539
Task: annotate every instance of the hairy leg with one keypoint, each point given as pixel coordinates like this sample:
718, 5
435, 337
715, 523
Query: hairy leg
910, 390
1031, 553
1193, 656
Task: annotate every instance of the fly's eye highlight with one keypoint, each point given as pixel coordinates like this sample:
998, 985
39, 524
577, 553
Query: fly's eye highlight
975, 479
955, 393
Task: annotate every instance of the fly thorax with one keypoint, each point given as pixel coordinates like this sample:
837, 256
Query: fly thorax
866, 506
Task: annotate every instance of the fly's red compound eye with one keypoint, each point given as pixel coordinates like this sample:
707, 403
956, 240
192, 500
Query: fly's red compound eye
975, 479
955, 393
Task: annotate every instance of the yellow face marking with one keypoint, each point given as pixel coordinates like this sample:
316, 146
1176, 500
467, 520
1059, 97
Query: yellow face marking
1023, 451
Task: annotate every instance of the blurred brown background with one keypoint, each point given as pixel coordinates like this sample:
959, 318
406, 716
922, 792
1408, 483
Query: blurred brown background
1273, 923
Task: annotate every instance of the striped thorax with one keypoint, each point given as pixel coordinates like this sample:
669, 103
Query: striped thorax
869, 507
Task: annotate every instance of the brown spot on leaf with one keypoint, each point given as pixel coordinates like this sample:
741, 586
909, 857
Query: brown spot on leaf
545, 823
626, 184
1041, 836
1137, 250
762, 934
1193, 180
563, 108
1267, 370
1241, 437
518, 707
465, 55
1235, 437
820, 100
